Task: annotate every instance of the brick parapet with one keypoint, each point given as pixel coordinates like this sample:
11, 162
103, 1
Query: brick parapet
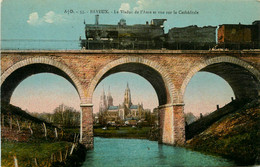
115, 51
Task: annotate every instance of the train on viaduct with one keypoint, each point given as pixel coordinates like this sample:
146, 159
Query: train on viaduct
152, 36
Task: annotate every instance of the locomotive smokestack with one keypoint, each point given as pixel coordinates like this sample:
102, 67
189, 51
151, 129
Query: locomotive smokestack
97, 17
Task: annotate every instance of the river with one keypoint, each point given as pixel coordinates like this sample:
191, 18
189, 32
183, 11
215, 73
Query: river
145, 153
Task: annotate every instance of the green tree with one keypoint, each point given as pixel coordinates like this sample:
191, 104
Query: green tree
65, 116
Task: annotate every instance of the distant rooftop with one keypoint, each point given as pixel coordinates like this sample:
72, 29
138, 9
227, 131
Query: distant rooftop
113, 108
134, 107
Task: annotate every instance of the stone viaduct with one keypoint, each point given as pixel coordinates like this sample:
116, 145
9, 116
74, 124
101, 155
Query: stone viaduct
168, 71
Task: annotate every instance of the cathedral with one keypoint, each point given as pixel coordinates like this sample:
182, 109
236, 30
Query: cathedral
123, 112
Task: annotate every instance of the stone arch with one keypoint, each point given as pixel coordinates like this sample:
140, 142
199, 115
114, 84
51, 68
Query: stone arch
120, 65
50, 64
232, 63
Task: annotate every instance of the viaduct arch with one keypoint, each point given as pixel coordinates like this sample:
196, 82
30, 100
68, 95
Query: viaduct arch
150, 70
161, 82
169, 72
14, 75
243, 78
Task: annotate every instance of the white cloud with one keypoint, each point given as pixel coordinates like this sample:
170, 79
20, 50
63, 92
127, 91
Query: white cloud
141, 4
50, 17
124, 6
34, 19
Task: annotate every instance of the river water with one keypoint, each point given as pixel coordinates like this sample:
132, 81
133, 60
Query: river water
145, 153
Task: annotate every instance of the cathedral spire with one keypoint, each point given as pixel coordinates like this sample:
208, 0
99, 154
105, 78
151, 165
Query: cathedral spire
127, 98
109, 93
109, 98
103, 102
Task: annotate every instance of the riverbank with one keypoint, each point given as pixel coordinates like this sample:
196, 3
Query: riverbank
29, 141
33, 154
60, 153
125, 132
236, 136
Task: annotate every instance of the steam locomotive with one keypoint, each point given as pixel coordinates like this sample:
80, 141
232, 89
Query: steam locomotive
151, 36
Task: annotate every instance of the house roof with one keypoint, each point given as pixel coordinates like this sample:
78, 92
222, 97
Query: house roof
134, 107
113, 108
132, 118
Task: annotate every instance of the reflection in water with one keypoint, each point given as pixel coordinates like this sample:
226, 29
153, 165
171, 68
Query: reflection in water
136, 152
161, 157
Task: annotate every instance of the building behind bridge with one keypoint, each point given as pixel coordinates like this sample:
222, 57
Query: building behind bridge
127, 112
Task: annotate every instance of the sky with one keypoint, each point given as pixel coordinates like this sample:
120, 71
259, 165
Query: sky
44, 92
204, 91
42, 19
141, 90
38, 94
63, 20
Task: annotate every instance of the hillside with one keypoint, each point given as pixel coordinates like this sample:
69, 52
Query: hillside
205, 122
29, 141
234, 136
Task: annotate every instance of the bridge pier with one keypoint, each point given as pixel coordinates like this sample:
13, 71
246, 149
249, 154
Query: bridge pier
172, 124
86, 129
179, 124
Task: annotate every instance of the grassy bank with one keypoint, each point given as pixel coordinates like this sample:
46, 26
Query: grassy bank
123, 132
44, 153
29, 141
236, 136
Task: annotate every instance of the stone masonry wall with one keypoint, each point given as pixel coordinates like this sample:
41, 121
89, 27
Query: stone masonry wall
175, 67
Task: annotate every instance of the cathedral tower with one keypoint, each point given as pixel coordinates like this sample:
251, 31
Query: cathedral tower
103, 102
109, 98
127, 98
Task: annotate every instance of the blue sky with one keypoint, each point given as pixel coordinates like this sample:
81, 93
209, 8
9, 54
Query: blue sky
49, 20
42, 19
44, 92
